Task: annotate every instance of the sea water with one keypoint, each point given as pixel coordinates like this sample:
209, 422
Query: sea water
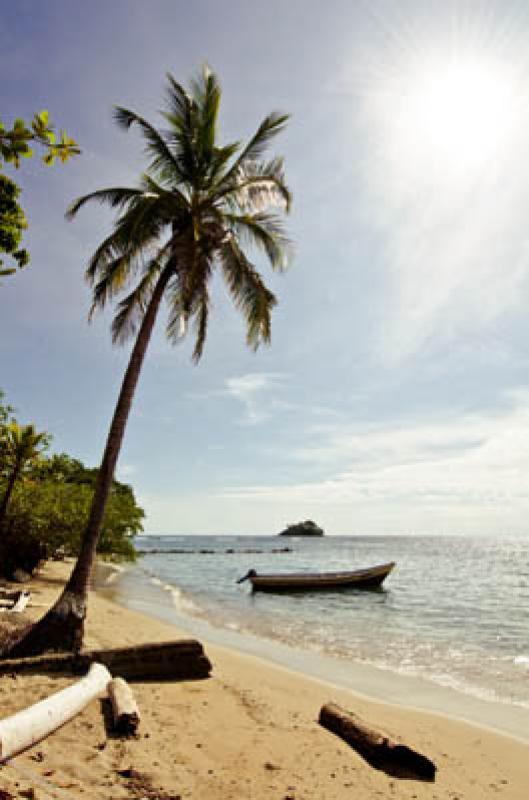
454, 612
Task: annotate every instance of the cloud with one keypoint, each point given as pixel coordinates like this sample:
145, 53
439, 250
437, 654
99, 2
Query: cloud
127, 470
462, 467
255, 391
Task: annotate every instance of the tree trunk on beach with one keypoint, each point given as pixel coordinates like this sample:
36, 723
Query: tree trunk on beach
378, 750
62, 627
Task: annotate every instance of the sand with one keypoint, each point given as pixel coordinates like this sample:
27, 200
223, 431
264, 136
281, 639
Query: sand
249, 731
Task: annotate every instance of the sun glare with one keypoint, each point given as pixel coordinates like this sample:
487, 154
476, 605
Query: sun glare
449, 113
464, 109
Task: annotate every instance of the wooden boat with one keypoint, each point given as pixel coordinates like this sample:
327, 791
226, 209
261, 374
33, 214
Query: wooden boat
370, 578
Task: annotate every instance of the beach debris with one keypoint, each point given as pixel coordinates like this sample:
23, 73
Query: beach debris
378, 750
24, 729
140, 785
181, 659
14, 601
125, 712
29, 794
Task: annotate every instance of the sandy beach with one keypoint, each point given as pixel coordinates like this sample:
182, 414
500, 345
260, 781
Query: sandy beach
249, 731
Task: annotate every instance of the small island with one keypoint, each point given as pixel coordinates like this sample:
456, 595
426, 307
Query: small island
307, 528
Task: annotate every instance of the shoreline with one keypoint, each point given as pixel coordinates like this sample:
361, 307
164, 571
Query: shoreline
250, 731
365, 680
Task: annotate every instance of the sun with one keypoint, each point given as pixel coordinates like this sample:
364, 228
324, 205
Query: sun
463, 109
452, 113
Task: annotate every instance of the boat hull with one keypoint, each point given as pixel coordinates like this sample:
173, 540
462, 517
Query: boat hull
371, 578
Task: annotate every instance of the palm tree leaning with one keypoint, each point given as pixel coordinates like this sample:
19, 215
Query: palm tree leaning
195, 208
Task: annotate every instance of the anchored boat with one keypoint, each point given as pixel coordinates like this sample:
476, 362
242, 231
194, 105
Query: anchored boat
370, 578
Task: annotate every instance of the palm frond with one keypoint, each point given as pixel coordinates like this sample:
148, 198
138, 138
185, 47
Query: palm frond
249, 293
201, 324
116, 260
218, 160
257, 186
176, 327
116, 275
267, 232
163, 162
273, 124
181, 136
132, 308
116, 197
178, 101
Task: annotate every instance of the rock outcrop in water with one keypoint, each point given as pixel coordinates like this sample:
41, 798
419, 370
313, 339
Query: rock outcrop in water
307, 528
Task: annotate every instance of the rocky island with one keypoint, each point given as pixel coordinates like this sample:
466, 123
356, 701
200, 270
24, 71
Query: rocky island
307, 528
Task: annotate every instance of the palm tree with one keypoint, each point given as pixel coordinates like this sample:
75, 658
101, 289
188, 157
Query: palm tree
195, 208
20, 446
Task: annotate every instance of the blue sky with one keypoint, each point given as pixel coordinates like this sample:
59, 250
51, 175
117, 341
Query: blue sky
394, 396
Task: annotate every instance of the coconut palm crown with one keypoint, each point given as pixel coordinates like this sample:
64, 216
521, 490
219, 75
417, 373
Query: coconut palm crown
197, 206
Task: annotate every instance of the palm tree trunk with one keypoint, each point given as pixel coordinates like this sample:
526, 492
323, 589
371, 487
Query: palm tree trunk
9, 489
62, 627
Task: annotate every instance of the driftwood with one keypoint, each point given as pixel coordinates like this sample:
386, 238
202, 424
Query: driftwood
178, 660
125, 711
22, 730
378, 750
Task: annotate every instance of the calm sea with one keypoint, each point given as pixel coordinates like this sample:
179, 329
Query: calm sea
454, 612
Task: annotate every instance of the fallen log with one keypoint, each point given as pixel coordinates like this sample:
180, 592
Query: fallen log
183, 659
29, 726
378, 750
125, 711
180, 660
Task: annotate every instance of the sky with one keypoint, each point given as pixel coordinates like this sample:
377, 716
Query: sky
394, 398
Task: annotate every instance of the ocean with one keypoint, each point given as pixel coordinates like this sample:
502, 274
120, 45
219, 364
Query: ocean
454, 612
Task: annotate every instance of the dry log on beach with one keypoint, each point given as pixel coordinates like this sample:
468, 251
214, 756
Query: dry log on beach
178, 660
183, 659
22, 730
125, 711
378, 750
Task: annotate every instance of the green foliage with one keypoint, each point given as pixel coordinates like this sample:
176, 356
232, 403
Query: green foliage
51, 499
15, 141
15, 145
12, 223
48, 511
20, 447
5, 412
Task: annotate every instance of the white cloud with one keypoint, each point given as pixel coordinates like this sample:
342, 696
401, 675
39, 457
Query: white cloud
255, 391
471, 471
127, 470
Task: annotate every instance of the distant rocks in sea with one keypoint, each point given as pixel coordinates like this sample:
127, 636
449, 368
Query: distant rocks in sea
307, 528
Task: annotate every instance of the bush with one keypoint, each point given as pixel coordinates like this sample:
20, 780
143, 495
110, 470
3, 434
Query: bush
48, 512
